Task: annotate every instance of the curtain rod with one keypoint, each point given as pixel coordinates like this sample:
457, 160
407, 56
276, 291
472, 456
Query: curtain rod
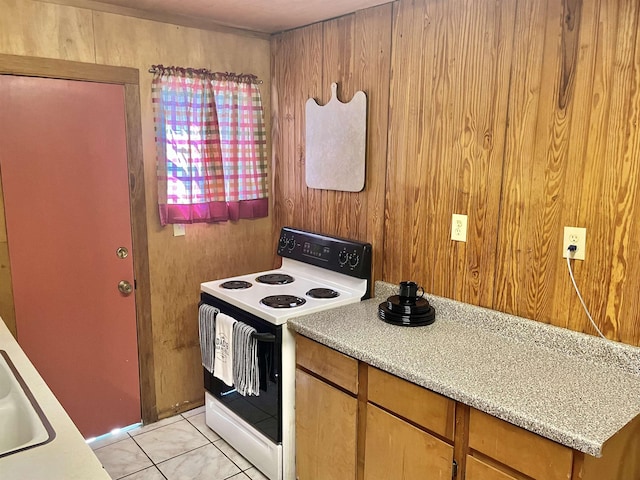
242, 76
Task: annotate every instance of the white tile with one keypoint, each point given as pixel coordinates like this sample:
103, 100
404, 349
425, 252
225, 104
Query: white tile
108, 439
204, 463
195, 411
235, 457
254, 474
200, 423
171, 440
151, 473
122, 458
152, 426
240, 476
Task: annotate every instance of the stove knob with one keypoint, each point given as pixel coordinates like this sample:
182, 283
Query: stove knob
291, 244
354, 259
343, 258
283, 242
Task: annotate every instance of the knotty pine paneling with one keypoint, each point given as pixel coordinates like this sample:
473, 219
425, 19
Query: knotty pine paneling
353, 51
522, 115
449, 91
572, 159
177, 265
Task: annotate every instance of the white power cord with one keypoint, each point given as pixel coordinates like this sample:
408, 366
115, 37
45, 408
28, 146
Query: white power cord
580, 296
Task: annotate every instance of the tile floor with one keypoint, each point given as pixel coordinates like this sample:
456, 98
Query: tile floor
176, 448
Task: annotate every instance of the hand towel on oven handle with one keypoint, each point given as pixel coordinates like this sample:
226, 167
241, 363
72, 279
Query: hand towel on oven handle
246, 376
223, 364
207, 333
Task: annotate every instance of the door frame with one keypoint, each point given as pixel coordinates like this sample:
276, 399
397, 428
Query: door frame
129, 79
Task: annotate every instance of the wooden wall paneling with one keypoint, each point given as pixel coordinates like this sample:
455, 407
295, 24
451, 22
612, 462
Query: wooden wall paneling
309, 200
338, 216
450, 72
621, 177
353, 51
578, 168
371, 72
38, 29
515, 242
297, 71
408, 85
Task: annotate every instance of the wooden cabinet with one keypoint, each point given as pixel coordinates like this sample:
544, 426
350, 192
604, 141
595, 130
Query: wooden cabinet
521, 450
397, 450
402, 421
478, 470
325, 430
326, 416
354, 421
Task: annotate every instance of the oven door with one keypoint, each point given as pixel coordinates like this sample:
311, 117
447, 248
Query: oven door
262, 412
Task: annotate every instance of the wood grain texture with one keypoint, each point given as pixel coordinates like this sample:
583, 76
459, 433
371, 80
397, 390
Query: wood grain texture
426, 409
396, 450
331, 365
524, 451
620, 457
353, 51
522, 115
478, 470
571, 159
449, 88
326, 427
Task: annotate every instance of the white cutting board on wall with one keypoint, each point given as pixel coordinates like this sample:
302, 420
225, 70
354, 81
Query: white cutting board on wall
336, 136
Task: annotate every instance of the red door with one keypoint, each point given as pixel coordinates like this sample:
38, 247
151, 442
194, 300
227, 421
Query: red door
65, 179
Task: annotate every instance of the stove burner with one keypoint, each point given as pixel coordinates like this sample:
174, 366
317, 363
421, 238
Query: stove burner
235, 285
322, 293
275, 278
283, 301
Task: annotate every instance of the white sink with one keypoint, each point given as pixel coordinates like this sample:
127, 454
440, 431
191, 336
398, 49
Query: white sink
22, 423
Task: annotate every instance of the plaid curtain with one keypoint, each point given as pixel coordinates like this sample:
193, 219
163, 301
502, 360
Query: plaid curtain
209, 170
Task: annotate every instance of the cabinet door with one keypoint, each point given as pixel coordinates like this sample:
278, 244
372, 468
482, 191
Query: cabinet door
396, 450
326, 422
477, 470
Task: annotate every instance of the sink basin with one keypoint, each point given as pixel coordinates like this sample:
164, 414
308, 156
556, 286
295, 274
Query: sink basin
22, 422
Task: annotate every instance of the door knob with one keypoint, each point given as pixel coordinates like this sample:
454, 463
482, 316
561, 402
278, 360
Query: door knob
122, 252
125, 287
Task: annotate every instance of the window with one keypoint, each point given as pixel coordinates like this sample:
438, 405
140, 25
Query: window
211, 146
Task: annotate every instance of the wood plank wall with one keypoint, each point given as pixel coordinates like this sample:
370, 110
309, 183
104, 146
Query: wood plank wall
177, 264
353, 51
521, 114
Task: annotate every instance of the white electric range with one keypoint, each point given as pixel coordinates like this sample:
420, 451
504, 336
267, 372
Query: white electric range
318, 272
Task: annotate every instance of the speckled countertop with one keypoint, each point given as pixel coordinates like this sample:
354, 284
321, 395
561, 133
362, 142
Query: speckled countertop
573, 388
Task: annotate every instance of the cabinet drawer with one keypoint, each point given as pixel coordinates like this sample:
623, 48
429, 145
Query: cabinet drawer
518, 448
327, 363
396, 450
417, 404
478, 470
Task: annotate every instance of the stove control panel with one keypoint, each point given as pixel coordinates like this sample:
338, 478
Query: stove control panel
350, 257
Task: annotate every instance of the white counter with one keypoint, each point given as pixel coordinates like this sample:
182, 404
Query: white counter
67, 457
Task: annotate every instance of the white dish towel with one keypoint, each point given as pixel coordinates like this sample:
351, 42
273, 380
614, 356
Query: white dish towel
223, 365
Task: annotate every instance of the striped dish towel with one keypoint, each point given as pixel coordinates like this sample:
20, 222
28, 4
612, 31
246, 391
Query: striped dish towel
207, 332
246, 376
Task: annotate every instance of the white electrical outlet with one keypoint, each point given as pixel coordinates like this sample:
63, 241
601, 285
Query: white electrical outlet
574, 236
459, 227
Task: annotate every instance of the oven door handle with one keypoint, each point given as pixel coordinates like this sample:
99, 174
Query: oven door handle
264, 337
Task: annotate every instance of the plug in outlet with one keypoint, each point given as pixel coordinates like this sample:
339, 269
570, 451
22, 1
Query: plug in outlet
574, 236
459, 227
